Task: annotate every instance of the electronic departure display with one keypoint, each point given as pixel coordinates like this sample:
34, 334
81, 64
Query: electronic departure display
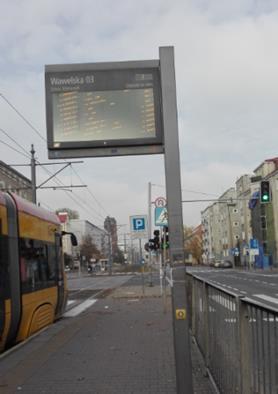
93, 108
103, 115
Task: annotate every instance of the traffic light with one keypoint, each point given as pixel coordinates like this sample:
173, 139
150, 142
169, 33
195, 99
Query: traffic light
154, 242
265, 192
156, 239
165, 238
147, 246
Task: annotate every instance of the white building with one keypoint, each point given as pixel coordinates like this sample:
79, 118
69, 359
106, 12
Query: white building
229, 221
82, 228
221, 224
244, 191
211, 233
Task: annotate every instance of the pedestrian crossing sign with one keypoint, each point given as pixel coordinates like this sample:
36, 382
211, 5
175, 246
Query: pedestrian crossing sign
161, 216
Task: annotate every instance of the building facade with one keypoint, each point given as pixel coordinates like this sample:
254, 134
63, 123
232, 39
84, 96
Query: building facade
221, 227
211, 233
11, 180
265, 215
82, 228
243, 195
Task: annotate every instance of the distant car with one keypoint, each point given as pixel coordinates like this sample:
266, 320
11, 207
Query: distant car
226, 264
223, 264
67, 268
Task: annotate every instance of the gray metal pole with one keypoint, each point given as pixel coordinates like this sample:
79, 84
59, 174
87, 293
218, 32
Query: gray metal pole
150, 229
142, 266
110, 253
33, 175
175, 222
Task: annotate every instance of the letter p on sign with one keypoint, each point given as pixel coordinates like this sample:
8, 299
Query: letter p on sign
139, 224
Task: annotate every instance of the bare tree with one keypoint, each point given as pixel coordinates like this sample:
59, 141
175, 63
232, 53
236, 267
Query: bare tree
88, 249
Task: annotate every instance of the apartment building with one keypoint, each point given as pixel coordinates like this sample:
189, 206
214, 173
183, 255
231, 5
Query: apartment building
221, 227
265, 216
244, 191
211, 240
229, 222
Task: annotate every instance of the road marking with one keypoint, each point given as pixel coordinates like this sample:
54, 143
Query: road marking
170, 281
80, 308
266, 298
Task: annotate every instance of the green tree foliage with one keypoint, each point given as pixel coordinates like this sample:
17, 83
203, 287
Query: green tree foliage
88, 249
72, 213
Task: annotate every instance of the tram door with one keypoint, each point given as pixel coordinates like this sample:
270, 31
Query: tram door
60, 275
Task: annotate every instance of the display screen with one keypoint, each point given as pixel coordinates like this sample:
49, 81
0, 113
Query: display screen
103, 115
107, 105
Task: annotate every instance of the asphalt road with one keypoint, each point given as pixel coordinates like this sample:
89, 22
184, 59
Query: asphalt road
260, 286
85, 290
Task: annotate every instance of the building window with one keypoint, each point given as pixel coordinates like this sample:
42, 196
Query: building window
235, 224
235, 210
236, 236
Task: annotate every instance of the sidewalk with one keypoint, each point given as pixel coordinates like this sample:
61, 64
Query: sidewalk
122, 344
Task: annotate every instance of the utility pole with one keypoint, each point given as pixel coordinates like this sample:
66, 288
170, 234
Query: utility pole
33, 175
34, 186
110, 247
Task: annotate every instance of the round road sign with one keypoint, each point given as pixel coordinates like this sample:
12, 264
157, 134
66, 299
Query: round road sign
160, 202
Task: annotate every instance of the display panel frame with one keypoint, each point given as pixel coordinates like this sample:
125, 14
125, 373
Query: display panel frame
104, 77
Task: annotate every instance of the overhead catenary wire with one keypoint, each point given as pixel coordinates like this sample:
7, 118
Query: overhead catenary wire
89, 191
79, 202
44, 139
14, 149
189, 191
22, 116
15, 142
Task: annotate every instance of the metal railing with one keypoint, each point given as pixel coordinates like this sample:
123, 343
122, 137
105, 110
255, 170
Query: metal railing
237, 336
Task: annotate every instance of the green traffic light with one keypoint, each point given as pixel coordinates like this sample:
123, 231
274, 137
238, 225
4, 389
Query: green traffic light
265, 197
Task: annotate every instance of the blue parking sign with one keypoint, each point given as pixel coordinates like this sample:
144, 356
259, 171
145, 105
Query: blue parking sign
138, 224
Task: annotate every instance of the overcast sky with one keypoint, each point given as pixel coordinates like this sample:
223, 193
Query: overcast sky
226, 62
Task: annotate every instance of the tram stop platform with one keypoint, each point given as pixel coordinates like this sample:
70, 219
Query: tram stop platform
122, 344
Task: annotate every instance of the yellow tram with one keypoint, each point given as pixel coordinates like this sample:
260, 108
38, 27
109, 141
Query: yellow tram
33, 290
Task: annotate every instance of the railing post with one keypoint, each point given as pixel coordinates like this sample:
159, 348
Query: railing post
193, 304
244, 349
206, 316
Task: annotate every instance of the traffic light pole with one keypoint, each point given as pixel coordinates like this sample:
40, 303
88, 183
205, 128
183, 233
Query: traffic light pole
150, 230
175, 222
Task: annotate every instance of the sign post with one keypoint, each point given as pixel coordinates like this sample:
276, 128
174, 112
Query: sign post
174, 207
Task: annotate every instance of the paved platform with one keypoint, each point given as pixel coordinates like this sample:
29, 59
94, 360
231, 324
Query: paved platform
122, 344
